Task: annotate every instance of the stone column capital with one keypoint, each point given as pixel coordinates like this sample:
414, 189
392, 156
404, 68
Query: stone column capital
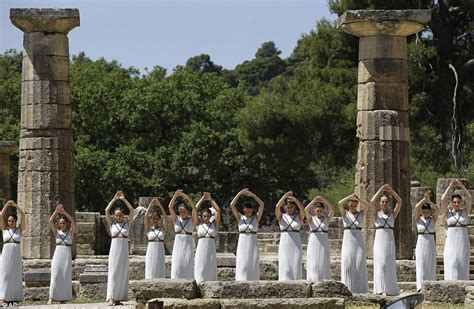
45, 20
364, 23
7, 147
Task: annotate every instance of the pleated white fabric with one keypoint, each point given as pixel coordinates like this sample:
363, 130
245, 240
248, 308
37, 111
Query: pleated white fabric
11, 273
318, 252
182, 260
425, 252
118, 273
205, 266
247, 263
457, 247
155, 254
353, 256
385, 271
289, 251
60, 288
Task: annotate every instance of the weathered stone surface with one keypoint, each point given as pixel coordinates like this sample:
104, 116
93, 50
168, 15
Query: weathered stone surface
383, 125
255, 289
50, 139
385, 47
46, 44
469, 300
446, 292
6, 148
40, 68
179, 303
139, 240
382, 70
368, 299
45, 92
45, 20
46, 161
284, 303
37, 277
329, 288
383, 22
93, 291
35, 293
144, 290
44, 116
382, 96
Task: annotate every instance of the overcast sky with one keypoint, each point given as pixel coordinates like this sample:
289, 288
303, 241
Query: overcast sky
144, 33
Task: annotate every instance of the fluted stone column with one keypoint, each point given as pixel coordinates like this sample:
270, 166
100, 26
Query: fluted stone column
46, 166
382, 103
6, 148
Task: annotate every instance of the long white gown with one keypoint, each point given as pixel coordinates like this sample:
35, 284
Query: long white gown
155, 254
318, 252
117, 279
205, 266
247, 264
60, 288
182, 261
457, 247
353, 256
289, 251
385, 268
11, 273
425, 252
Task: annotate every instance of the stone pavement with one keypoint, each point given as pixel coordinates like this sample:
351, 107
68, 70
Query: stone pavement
130, 304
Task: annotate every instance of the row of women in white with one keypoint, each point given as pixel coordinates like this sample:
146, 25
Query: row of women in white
203, 265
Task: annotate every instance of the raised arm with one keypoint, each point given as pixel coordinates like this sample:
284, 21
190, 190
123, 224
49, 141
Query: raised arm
434, 207
329, 206
261, 204
51, 219
108, 217
198, 205
3, 214
171, 205
164, 217
217, 216
194, 212
130, 208
468, 197
70, 218
21, 217
300, 207
376, 197
202, 200
233, 204
445, 197
280, 203
146, 219
309, 207
398, 205
417, 209
341, 204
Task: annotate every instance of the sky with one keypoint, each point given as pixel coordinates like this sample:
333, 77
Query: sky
145, 33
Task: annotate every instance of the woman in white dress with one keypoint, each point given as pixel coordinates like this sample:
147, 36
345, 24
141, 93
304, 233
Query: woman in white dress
117, 279
425, 214
205, 265
385, 268
290, 251
60, 288
318, 253
155, 252
11, 274
182, 260
353, 256
247, 264
457, 247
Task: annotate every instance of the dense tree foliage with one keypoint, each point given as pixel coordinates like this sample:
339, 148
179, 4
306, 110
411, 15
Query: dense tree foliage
270, 124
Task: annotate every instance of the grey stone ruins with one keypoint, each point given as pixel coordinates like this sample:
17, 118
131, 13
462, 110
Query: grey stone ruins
382, 103
46, 167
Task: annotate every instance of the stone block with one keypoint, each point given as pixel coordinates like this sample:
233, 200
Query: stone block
178, 303
46, 44
32, 183
369, 299
330, 288
93, 291
97, 277
382, 70
37, 277
446, 292
46, 116
40, 68
227, 242
138, 240
379, 47
383, 22
225, 273
255, 289
44, 19
137, 268
46, 160
144, 290
48, 139
382, 96
36, 293
383, 125
269, 268
284, 303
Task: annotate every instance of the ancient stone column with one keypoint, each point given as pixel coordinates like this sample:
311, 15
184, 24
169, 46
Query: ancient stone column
46, 166
6, 148
382, 104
